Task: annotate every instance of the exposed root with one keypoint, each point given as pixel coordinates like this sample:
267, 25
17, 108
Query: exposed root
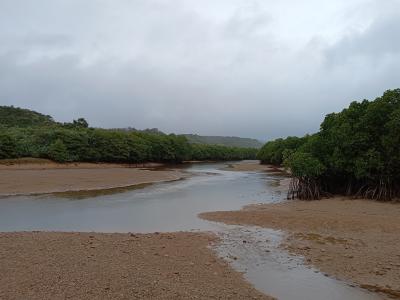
304, 189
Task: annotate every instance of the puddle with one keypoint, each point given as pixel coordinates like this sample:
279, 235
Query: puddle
254, 251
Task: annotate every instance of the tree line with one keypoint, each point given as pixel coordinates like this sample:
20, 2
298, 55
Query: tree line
356, 152
29, 134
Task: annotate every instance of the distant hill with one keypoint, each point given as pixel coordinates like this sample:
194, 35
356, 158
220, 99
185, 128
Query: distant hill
147, 130
231, 141
11, 116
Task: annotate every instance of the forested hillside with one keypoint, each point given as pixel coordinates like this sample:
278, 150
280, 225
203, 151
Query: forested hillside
230, 141
18, 117
25, 133
356, 152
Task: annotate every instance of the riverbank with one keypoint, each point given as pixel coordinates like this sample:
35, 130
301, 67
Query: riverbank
25, 177
253, 166
46, 265
354, 240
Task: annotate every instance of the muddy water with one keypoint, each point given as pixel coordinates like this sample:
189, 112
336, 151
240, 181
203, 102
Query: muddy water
173, 207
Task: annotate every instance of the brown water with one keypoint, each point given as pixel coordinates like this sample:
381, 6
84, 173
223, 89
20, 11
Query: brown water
173, 207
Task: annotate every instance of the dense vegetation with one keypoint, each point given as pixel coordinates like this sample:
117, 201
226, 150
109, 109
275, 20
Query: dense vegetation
356, 152
18, 117
24, 133
230, 141
273, 152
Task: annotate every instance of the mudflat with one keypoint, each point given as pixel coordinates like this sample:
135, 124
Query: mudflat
49, 177
354, 240
45, 265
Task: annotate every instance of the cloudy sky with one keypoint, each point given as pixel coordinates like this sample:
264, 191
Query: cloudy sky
253, 68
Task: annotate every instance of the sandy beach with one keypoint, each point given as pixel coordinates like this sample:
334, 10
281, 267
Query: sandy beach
354, 240
45, 265
42, 176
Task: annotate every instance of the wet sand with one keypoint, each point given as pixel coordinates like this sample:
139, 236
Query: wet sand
40, 265
42, 176
354, 240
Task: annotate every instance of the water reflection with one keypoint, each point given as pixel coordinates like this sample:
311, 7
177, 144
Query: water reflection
169, 206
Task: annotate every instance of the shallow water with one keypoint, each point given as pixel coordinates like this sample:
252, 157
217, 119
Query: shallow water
169, 206
174, 206
254, 251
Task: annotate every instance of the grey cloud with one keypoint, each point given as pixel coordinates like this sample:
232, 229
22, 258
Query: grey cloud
208, 67
376, 43
47, 40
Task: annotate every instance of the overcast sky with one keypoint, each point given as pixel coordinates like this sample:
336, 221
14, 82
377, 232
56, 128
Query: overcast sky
252, 68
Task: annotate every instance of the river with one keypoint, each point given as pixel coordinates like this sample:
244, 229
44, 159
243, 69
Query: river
174, 206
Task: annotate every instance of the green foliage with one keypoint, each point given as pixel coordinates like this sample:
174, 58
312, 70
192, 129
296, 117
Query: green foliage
229, 141
223, 153
273, 152
58, 152
356, 151
77, 142
7, 146
11, 116
303, 164
80, 123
